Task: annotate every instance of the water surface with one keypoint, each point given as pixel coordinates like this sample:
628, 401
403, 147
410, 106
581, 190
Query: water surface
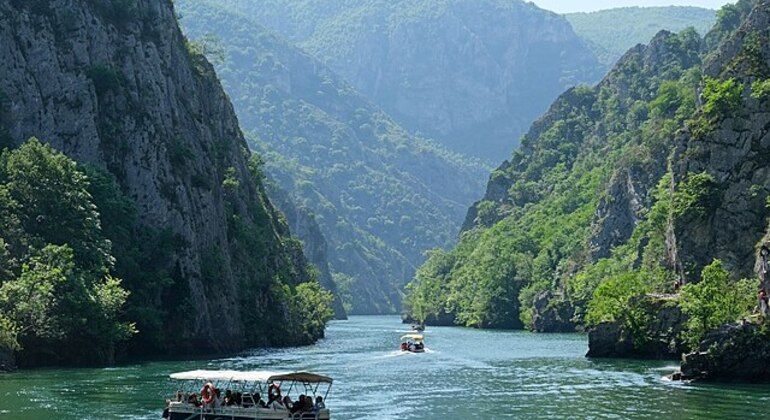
467, 373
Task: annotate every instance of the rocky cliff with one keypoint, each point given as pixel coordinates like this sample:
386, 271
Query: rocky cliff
731, 147
472, 74
304, 227
381, 195
115, 84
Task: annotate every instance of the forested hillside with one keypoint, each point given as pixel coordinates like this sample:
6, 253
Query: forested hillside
380, 195
471, 74
138, 222
640, 201
610, 33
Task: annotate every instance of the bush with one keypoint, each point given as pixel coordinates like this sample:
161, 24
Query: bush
722, 98
715, 301
760, 89
611, 299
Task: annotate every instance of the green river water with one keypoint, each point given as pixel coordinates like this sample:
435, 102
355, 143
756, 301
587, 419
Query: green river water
466, 374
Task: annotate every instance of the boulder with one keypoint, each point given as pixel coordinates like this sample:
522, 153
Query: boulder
659, 338
734, 352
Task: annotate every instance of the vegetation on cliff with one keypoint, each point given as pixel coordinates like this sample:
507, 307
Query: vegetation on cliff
616, 195
380, 195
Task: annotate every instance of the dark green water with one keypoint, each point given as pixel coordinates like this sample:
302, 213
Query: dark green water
467, 374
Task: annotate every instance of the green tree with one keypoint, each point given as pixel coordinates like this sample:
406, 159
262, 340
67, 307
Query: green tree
56, 292
715, 301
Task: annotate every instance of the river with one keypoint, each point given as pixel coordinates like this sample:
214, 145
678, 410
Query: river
466, 373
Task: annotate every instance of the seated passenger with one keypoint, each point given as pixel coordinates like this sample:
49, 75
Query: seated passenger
258, 401
300, 404
319, 403
217, 402
193, 399
276, 404
287, 403
228, 401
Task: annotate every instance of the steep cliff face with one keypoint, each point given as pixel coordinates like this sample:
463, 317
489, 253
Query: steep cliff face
733, 151
381, 196
578, 188
304, 227
472, 74
112, 84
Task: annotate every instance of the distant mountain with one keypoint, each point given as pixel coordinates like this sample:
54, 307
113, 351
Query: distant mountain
610, 33
472, 74
380, 195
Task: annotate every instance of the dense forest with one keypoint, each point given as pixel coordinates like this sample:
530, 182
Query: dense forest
405, 194
403, 55
138, 223
380, 195
644, 194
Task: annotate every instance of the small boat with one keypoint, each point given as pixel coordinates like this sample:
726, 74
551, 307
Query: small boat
236, 395
418, 327
413, 343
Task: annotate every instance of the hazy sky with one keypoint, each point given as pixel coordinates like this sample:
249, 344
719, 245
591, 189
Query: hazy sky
566, 6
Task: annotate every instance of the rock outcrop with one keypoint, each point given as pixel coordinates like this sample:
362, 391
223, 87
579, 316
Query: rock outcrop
116, 85
660, 338
552, 315
733, 217
735, 352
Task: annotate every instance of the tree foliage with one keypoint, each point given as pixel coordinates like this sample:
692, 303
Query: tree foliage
714, 301
57, 294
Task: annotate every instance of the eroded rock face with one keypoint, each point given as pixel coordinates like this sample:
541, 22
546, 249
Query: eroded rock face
112, 84
661, 336
734, 352
735, 154
552, 314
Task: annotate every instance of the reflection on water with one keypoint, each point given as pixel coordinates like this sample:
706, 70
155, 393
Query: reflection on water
467, 373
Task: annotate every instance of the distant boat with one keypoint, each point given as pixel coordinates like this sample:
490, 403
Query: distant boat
418, 327
413, 343
235, 395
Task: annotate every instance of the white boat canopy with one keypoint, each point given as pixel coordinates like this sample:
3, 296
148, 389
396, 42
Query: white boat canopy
305, 377
225, 375
415, 337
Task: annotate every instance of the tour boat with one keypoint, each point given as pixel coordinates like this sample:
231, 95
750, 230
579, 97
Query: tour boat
413, 343
195, 399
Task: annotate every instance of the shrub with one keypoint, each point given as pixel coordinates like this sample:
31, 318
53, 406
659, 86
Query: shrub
760, 89
722, 98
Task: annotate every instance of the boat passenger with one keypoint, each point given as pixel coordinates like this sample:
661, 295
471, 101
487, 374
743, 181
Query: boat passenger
217, 402
276, 404
228, 400
258, 401
287, 404
193, 399
319, 403
299, 405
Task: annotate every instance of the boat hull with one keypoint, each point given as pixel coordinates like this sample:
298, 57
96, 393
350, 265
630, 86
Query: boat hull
244, 414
